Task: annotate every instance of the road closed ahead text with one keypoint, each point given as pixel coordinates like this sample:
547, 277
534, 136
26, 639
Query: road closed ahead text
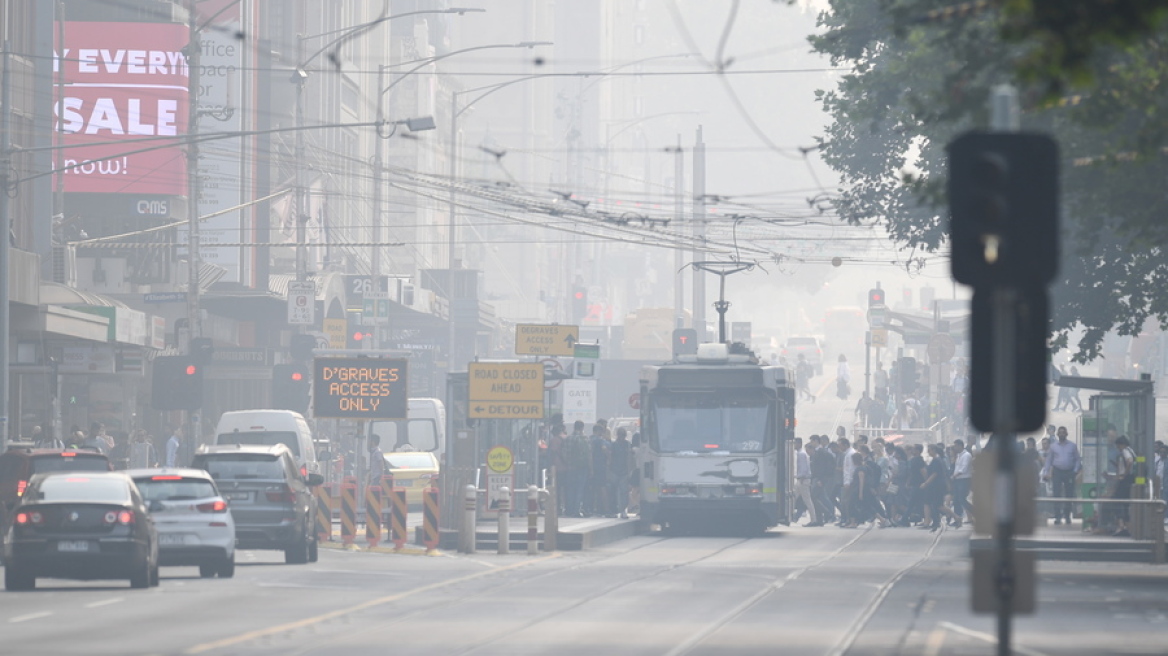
374, 389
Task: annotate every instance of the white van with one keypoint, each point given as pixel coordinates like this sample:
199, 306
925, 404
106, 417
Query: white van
423, 430
268, 427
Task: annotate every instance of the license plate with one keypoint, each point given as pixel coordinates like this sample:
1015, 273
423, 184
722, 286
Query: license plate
238, 496
73, 546
171, 539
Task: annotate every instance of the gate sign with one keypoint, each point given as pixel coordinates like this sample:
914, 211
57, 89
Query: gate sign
302, 303
534, 339
505, 390
360, 388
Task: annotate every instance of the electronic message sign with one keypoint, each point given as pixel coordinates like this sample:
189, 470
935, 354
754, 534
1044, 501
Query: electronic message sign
360, 388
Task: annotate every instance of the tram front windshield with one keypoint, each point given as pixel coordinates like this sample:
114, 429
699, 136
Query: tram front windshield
707, 422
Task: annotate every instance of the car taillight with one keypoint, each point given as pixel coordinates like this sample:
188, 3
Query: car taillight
29, 518
282, 494
217, 506
68, 454
21, 486
303, 471
125, 517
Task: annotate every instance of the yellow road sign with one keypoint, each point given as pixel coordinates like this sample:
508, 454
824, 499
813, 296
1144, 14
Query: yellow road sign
535, 339
880, 337
506, 410
506, 381
336, 329
499, 459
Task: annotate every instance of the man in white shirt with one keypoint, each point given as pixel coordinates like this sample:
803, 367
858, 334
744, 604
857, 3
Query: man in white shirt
803, 482
173, 445
849, 473
962, 476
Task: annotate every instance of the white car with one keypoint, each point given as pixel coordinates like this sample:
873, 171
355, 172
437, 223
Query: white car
193, 520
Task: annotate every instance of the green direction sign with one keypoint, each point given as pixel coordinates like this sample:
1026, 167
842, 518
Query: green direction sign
587, 351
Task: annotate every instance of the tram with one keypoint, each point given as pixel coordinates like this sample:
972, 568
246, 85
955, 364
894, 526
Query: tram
717, 440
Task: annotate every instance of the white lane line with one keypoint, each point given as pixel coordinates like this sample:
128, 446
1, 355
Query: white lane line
985, 637
30, 616
105, 602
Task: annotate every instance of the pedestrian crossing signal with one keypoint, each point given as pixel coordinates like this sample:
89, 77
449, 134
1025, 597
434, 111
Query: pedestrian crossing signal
685, 341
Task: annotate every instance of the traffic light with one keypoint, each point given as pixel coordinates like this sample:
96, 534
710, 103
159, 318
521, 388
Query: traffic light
906, 369
290, 387
359, 337
1029, 314
579, 304
177, 383
875, 297
685, 341
1003, 202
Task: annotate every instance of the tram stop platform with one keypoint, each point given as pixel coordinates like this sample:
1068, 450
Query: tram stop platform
1072, 542
575, 533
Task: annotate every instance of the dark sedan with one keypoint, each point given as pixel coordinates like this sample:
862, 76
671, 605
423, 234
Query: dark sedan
81, 525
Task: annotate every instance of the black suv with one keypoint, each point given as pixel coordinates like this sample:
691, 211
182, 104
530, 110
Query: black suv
270, 500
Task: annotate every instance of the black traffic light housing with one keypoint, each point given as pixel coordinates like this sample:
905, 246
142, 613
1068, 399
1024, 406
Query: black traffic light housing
301, 347
579, 304
176, 383
359, 337
202, 350
1003, 201
875, 297
291, 384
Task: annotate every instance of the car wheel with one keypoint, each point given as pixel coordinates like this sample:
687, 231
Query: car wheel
313, 549
155, 578
297, 552
208, 570
141, 577
227, 567
16, 580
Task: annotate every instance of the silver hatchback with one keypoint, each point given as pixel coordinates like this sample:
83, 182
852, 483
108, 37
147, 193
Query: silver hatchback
195, 526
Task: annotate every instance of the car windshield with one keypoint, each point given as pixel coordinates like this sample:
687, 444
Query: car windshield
409, 460
703, 423
801, 341
416, 435
241, 466
83, 488
68, 463
262, 438
168, 488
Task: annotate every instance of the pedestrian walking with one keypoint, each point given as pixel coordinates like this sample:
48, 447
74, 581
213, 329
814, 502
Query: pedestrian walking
803, 482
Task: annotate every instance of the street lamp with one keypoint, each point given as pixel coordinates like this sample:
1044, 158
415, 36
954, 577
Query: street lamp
378, 157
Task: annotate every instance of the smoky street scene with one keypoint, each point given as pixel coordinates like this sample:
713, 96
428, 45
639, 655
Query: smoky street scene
584, 327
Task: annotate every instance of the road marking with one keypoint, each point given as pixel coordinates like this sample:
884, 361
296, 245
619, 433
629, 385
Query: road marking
985, 637
30, 616
344, 612
105, 602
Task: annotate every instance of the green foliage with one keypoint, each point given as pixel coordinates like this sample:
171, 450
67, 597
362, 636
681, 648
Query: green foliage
922, 72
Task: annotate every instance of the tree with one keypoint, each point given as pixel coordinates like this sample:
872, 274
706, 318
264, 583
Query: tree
922, 73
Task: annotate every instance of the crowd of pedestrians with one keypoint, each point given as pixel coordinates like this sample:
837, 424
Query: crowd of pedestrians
593, 469
852, 484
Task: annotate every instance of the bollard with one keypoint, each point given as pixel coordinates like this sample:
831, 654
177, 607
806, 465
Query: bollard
551, 515
324, 514
430, 534
398, 520
532, 520
349, 510
504, 520
387, 502
373, 515
466, 537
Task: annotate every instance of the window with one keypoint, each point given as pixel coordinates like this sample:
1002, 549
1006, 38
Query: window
186, 489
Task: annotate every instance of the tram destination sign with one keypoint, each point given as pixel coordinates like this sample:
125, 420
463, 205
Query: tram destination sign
360, 388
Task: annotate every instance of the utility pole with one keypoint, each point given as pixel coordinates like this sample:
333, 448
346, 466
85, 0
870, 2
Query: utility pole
451, 230
6, 222
679, 219
699, 235
375, 265
300, 78
194, 322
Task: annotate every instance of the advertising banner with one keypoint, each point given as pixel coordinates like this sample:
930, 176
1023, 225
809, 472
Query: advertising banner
125, 85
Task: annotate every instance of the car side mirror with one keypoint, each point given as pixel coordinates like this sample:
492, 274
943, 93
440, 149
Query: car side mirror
314, 479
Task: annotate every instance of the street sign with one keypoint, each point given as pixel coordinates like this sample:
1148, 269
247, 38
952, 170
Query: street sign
635, 401
554, 339
880, 337
506, 390
877, 316
587, 351
376, 309
579, 401
506, 381
335, 329
360, 388
500, 459
301, 303
553, 373
984, 579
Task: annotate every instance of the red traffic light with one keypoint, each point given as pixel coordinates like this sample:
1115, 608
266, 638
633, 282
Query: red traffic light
297, 376
875, 297
358, 336
579, 295
192, 370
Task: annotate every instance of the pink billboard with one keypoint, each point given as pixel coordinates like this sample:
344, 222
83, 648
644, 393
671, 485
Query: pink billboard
124, 107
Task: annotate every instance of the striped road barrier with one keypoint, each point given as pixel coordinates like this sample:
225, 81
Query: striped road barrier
349, 510
430, 518
399, 518
324, 516
373, 515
